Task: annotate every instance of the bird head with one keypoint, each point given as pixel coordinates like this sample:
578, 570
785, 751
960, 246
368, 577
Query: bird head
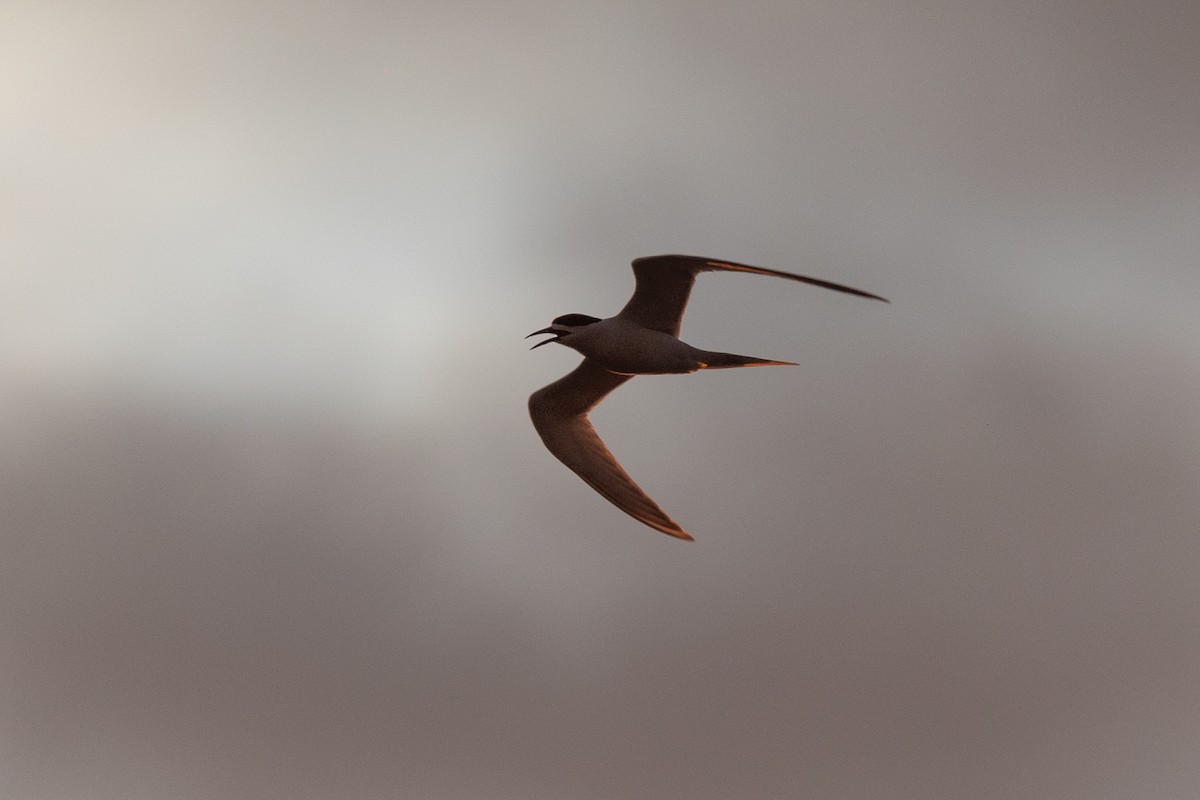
563, 327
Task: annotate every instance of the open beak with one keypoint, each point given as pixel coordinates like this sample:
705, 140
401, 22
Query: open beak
557, 336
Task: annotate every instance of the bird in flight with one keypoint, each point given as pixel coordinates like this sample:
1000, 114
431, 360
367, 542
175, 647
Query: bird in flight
642, 339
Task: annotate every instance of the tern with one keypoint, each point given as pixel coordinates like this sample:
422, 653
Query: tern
642, 339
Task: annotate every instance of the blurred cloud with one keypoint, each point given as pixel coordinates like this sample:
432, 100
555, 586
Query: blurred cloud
275, 523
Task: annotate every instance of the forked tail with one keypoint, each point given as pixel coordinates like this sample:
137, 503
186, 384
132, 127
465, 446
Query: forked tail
710, 360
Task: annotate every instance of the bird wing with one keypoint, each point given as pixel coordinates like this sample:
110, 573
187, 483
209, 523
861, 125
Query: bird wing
665, 282
559, 413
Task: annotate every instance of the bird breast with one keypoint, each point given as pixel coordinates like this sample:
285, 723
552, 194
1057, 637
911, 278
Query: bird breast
629, 349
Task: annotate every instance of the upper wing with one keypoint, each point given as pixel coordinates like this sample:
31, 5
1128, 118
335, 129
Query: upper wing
665, 282
559, 413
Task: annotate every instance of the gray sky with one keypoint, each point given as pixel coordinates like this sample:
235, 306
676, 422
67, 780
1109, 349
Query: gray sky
273, 519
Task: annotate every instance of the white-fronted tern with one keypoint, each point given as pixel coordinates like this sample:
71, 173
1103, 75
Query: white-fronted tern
642, 339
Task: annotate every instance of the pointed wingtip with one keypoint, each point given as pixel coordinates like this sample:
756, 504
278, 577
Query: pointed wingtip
859, 293
668, 526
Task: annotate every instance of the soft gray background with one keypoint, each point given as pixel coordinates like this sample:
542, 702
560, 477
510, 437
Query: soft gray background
275, 523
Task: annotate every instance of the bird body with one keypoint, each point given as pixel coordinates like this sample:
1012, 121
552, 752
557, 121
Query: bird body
642, 339
627, 348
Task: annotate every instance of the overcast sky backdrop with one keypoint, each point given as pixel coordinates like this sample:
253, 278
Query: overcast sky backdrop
274, 522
